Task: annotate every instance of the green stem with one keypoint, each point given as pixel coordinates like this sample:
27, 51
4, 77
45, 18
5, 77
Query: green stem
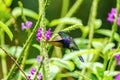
21, 6
114, 26
74, 8
110, 63
92, 18
113, 66
105, 62
4, 65
24, 60
28, 41
3, 56
69, 13
65, 6
41, 63
80, 74
14, 62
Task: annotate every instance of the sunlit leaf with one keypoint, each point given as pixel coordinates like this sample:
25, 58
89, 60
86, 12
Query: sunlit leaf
53, 71
7, 30
65, 20
97, 23
68, 74
108, 47
107, 33
27, 12
100, 71
31, 61
65, 64
15, 50
8, 2
78, 53
36, 46
97, 45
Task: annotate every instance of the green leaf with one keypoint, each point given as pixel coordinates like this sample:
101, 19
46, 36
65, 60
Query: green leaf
15, 51
27, 12
81, 42
78, 53
97, 45
53, 71
68, 74
108, 78
108, 47
36, 46
8, 2
66, 20
100, 71
7, 30
66, 64
97, 23
31, 61
107, 33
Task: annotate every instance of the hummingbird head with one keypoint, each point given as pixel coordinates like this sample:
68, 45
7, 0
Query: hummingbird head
60, 33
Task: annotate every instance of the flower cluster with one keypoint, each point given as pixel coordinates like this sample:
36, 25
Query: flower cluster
33, 71
117, 77
48, 34
118, 58
38, 58
40, 34
26, 25
111, 16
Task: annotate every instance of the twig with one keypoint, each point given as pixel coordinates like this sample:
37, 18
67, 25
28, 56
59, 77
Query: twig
15, 62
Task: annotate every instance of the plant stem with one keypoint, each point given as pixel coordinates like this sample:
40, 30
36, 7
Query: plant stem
4, 65
69, 13
65, 6
85, 77
24, 60
14, 61
91, 20
28, 41
3, 56
74, 8
114, 26
39, 68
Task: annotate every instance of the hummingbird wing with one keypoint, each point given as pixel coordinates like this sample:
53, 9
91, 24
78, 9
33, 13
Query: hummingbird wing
58, 43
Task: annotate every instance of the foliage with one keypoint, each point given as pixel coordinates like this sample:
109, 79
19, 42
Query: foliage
97, 45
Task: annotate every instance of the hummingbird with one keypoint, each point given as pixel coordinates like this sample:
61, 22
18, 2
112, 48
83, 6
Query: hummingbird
66, 41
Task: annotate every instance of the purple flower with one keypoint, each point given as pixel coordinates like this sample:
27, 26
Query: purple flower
118, 20
111, 15
39, 34
117, 77
29, 77
38, 58
26, 25
39, 77
32, 71
48, 34
118, 58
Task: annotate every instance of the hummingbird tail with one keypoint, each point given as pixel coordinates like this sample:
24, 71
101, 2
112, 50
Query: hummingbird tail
81, 58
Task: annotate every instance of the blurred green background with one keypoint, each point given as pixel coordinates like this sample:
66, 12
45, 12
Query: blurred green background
53, 11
